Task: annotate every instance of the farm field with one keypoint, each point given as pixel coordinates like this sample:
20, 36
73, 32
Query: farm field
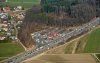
90, 43
93, 42
8, 49
63, 58
23, 0
24, 3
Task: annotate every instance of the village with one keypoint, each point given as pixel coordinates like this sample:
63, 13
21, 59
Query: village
10, 21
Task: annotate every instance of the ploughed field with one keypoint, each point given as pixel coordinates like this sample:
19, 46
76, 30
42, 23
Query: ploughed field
64, 58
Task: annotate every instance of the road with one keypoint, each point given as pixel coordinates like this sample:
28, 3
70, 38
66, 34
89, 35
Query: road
52, 43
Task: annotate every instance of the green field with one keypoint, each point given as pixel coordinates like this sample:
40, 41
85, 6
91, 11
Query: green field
24, 3
8, 49
23, 0
93, 42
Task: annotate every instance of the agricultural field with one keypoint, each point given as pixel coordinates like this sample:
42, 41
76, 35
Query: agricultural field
93, 42
63, 58
24, 3
8, 49
90, 43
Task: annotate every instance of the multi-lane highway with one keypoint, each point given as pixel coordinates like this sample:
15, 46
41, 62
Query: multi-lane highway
52, 43
43, 38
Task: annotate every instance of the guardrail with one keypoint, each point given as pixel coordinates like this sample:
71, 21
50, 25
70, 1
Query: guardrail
28, 54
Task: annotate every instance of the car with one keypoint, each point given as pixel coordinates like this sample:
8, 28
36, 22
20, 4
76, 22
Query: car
44, 36
46, 41
93, 26
48, 48
37, 40
32, 34
41, 47
37, 49
42, 42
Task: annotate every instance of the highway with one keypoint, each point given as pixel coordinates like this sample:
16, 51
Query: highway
52, 43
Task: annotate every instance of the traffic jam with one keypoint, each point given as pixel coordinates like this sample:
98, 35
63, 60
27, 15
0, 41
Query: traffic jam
44, 37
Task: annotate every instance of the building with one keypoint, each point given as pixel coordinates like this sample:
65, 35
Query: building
6, 9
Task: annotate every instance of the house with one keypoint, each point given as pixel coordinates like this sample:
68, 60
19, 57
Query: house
13, 37
18, 8
6, 9
3, 16
2, 38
